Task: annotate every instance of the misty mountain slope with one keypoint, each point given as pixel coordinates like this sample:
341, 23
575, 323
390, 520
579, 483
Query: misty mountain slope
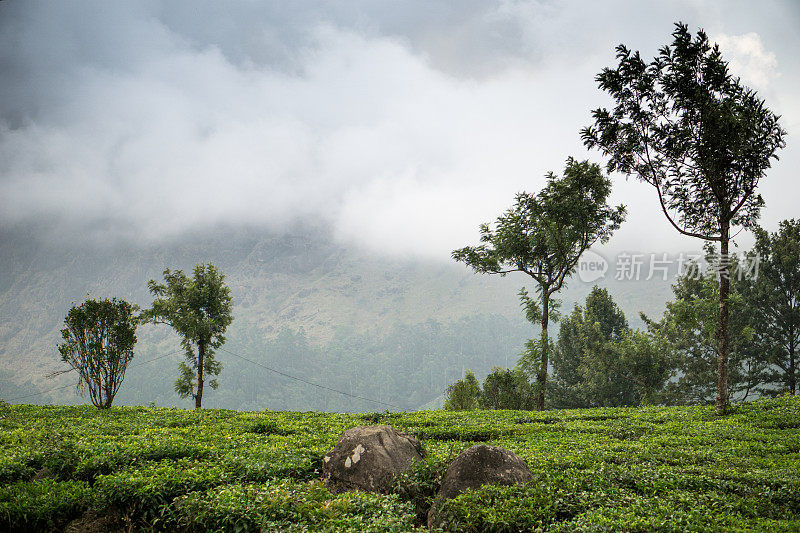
299, 280
390, 329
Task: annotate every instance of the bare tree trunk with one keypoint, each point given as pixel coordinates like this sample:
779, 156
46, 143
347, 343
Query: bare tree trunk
201, 353
723, 335
542, 377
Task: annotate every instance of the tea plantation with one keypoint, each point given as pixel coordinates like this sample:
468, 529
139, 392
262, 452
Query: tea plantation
650, 469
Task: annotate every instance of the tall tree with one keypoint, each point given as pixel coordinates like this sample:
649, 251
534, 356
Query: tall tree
687, 127
584, 347
531, 357
99, 336
544, 235
199, 310
600, 362
773, 294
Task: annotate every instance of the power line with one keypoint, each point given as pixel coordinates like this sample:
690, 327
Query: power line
12, 400
284, 374
71, 369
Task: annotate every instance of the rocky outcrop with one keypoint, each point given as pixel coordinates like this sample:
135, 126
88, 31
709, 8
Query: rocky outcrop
368, 457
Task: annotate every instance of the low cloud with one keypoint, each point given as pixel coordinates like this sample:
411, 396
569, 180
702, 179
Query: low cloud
400, 127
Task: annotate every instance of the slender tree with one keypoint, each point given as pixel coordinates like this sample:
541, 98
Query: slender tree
531, 357
687, 127
773, 294
99, 336
544, 235
199, 310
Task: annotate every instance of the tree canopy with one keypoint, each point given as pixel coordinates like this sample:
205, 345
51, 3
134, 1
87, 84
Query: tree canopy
506, 388
684, 125
464, 394
600, 362
772, 294
691, 323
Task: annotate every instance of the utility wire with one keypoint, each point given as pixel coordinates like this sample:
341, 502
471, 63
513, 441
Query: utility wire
12, 400
284, 374
71, 369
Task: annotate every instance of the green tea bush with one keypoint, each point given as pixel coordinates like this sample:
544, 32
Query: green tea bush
143, 490
43, 504
627, 469
419, 484
285, 505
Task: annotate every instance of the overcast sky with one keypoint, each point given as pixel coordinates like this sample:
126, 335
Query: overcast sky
400, 125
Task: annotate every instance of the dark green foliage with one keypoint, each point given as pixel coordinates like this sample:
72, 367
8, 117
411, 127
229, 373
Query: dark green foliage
612, 469
647, 361
269, 428
599, 361
99, 336
690, 325
585, 346
772, 295
543, 236
420, 484
199, 309
464, 394
684, 125
42, 505
505, 388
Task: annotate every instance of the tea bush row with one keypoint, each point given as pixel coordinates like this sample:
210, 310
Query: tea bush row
646, 469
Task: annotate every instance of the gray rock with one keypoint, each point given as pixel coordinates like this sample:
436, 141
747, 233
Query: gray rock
476, 466
367, 457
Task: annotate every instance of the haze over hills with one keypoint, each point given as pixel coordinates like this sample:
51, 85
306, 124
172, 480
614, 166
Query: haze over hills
397, 126
395, 330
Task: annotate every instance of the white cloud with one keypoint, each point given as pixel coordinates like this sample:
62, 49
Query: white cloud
145, 119
748, 59
367, 136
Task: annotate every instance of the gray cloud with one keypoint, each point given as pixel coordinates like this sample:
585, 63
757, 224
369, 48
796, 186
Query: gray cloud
400, 125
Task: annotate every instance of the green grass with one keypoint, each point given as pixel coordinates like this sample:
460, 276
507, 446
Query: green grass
650, 469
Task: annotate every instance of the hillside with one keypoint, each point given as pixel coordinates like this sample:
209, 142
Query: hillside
302, 304
644, 469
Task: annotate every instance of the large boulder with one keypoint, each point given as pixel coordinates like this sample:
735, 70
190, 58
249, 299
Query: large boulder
367, 457
476, 466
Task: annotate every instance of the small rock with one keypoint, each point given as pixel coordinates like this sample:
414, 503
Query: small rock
476, 466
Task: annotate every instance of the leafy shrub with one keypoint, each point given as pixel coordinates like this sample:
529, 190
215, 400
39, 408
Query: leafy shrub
269, 428
143, 490
420, 483
285, 505
42, 504
627, 469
